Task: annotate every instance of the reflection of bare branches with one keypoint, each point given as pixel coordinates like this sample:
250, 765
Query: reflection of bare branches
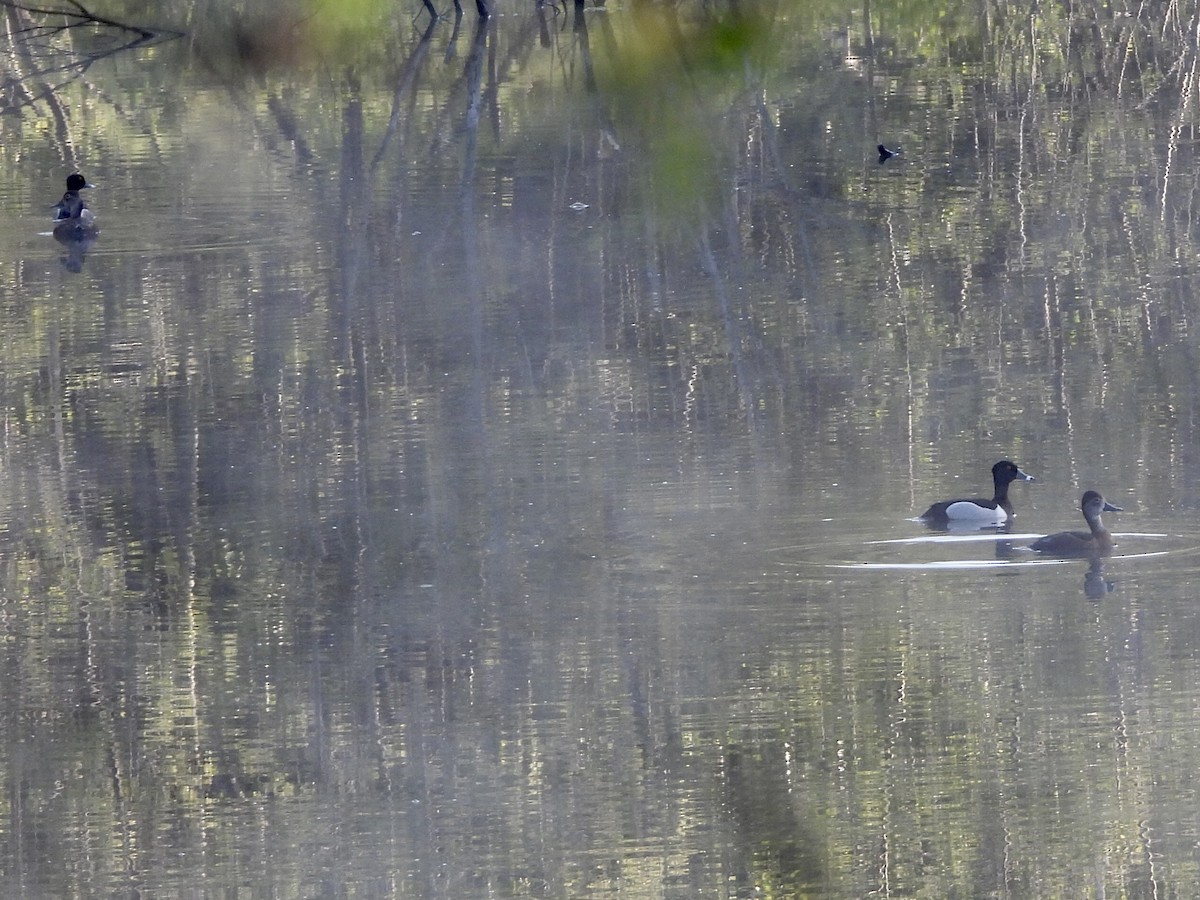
403, 86
83, 16
585, 49
32, 40
473, 75
735, 337
452, 44
80, 16
289, 127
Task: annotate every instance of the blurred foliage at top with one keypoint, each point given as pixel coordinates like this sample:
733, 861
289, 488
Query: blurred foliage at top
668, 66
673, 50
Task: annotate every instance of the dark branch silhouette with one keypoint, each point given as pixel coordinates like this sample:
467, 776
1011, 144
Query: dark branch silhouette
36, 61
83, 16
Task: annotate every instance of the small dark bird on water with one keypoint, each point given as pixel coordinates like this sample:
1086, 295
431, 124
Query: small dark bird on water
66, 208
885, 154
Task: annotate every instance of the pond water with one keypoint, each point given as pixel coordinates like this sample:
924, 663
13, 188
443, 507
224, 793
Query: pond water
482, 462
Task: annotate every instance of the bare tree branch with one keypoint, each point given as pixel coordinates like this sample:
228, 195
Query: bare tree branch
84, 16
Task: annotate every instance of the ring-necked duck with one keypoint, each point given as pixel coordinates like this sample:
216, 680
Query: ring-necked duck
1095, 542
74, 221
979, 512
75, 183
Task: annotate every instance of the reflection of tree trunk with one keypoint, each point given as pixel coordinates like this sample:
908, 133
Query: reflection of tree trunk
775, 172
475, 286
608, 140
473, 72
347, 327
869, 70
733, 331
585, 49
407, 76
543, 27
289, 127
868, 35
452, 44
463, 476
772, 841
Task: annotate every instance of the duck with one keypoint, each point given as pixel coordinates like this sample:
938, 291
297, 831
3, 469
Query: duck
73, 220
885, 154
979, 512
75, 183
1095, 542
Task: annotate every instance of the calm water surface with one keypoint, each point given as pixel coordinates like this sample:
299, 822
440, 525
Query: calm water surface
377, 523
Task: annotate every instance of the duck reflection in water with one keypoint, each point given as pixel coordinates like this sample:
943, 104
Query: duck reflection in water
1095, 585
1005, 548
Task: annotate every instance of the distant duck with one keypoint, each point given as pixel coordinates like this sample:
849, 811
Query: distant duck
885, 154
73, 220
1095, 542
978, 512
75, 183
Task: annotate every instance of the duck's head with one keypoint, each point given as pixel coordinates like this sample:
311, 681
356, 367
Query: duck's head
76, 182
1007, 471
1093, 504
